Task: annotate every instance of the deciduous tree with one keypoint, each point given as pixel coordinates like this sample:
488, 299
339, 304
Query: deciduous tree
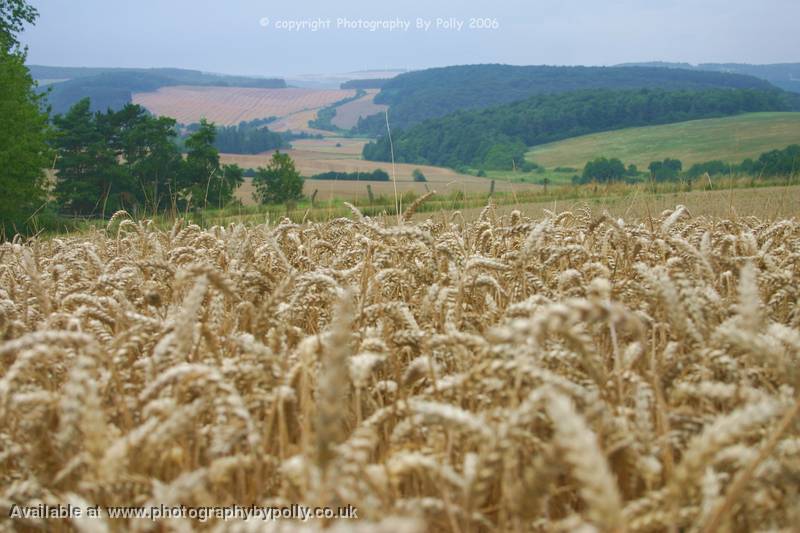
279, 181
24, 131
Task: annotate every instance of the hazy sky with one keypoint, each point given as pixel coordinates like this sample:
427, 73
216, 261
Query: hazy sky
257, 36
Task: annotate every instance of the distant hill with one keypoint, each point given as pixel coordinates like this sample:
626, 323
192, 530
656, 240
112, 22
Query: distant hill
728, 139
178, 75
114, 87
335, 80
783, 75
420, 95
497, 137
374, 83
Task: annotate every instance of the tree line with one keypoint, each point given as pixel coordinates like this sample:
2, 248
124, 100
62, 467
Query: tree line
498, 137
128, 159
248, 137
376, 175
782, 162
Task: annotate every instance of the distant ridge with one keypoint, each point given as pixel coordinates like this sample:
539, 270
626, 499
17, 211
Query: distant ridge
114, 87
185, 76
373, 83
783, 75
426, 94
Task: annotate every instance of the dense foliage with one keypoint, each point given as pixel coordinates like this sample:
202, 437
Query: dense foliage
246, 139
417, 96
666, 170
375, 175
499, 136
371, 125
712, 168
14, 14
784, 162
278, 182
206, 182
128, 159
23, 127
604, 170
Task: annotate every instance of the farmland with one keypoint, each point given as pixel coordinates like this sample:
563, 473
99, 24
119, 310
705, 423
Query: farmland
230, 105
350, 190
449, 308
731, 198
297, 122
315, 156
565, 372
347, 115
729, 139
772, 203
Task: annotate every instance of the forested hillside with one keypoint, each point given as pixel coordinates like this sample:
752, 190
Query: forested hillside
498, 137
417, 96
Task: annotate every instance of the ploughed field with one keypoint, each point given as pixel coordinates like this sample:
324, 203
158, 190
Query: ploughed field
228, 106
575, 371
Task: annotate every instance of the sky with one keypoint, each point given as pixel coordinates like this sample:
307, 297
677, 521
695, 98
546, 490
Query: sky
270, 38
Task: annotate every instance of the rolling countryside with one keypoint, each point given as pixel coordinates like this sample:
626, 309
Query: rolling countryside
729, 139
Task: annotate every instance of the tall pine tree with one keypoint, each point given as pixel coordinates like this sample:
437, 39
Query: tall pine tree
209, 184
90, 179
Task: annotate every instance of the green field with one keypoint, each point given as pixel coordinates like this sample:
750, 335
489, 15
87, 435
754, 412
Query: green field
730, 139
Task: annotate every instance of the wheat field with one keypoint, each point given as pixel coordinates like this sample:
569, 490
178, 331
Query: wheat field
576, 372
